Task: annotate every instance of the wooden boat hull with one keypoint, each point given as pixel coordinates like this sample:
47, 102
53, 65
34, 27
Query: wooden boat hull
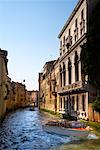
65, 131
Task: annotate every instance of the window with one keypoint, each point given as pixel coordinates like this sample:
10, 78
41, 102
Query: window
61, 103
67, 104
63, 50
83, 102
76, 31
82, 14
64, 40
60, 76
64, 102
81, 31
69, 31
50, 90
82, 23
64, 74
69, 75
75, 37
76, 23
77, 103
76, 72
60, 44
69, 70
72, 103
76, 67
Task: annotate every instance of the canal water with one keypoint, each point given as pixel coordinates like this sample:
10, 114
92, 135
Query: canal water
22, 130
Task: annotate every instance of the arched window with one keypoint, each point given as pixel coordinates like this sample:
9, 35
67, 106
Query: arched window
69, 70
76, 62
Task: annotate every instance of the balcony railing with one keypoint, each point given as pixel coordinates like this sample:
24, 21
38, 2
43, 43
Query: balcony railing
71, 86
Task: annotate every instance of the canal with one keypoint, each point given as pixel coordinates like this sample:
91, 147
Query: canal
22, 130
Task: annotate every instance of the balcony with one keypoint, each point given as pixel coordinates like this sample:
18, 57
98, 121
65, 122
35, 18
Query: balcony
68, 41
70, 87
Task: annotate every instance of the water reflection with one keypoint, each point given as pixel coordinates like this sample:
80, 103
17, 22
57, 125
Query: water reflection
22, 130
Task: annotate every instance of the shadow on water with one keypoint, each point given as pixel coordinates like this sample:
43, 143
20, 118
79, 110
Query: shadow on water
22, 130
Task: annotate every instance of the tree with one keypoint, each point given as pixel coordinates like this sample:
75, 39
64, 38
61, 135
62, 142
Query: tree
90, 54
96, 104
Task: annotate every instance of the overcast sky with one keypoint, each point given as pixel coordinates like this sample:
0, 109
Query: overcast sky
29, 31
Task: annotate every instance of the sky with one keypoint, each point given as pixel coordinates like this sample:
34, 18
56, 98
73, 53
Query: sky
29, 32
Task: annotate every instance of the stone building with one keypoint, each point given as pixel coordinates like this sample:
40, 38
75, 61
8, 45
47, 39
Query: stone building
55, 85
40, 100
3, 81
48, 85
20, 95
45, 86
64, 87
10, 103
34, 98
28, 98
74, 88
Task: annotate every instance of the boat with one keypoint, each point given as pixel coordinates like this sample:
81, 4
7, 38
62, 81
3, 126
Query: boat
31, 108
66, 129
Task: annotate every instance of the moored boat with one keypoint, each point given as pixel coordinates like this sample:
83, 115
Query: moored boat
68, 130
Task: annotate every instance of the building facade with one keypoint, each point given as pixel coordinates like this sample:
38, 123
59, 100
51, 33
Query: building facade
3, 82
10, 101
48, 85
75, 91
34, 98
28, 98
64, 87
20, 95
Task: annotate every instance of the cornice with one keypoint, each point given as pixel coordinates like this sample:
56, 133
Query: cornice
71, 17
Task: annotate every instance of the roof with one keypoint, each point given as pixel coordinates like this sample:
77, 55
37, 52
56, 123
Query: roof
3, 52
70, 18
50, 62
